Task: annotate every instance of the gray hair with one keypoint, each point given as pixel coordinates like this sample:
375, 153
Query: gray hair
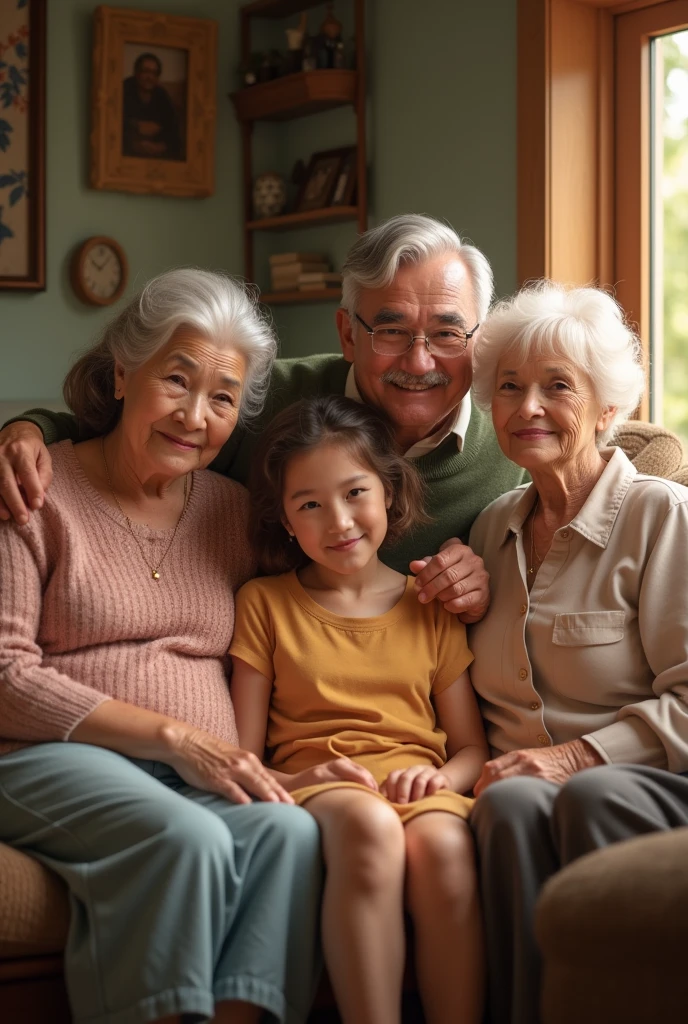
374, 259
583, 325
221, 308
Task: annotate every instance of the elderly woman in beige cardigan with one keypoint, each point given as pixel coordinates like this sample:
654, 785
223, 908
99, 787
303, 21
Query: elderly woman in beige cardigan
194, 884
582, 660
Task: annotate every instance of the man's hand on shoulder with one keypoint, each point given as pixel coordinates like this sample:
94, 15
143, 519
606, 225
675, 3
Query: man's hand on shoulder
25, 470
457, 578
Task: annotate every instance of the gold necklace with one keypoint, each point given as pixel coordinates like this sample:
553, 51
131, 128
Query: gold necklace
154, 570
533, 549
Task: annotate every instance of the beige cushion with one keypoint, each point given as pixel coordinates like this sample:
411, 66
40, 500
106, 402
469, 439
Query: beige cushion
653, 450
34, 908
613, 931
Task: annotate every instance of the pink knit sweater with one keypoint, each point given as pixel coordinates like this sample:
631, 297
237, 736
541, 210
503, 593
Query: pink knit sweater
82, 620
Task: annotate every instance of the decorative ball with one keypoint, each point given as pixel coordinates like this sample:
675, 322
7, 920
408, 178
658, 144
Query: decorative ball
269, 194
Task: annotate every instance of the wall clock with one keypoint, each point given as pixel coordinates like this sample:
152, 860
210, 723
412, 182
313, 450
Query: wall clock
99, 271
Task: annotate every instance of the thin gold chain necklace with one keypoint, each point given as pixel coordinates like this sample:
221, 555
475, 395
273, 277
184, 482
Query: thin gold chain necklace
533, 550
154, 570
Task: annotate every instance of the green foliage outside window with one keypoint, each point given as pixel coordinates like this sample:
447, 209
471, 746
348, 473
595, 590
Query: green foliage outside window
675, 194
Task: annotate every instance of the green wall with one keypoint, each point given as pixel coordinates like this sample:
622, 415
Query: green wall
39, 333
441, 81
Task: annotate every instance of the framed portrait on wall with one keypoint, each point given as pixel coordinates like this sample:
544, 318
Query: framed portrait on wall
154, 103
22, 145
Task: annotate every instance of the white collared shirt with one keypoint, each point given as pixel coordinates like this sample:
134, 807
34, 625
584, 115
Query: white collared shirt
458, 426
599, 647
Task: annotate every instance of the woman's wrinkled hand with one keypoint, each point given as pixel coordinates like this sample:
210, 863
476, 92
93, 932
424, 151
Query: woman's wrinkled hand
406, 785
25, 471
340, 770
211, 764
554, 764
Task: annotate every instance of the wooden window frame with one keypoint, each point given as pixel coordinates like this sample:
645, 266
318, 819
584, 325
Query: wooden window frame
583, 165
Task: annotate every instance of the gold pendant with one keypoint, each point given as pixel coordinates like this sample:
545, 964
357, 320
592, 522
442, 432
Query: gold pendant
531, 571
155, 574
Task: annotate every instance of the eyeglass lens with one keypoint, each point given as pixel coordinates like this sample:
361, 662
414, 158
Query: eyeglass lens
393, 341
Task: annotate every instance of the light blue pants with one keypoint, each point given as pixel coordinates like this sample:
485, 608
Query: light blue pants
179, 899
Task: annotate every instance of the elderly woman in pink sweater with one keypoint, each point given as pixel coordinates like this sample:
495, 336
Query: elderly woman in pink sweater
194, 882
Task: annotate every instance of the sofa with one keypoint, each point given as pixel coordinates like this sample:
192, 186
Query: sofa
34, 909
613, 931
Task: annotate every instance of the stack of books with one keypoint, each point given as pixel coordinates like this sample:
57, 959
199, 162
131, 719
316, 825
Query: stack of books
302, 271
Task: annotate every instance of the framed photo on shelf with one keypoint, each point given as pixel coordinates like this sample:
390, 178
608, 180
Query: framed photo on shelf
345, 185
22, 145
320, 180
153, 103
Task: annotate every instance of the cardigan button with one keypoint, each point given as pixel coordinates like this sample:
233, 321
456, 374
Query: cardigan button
523, 674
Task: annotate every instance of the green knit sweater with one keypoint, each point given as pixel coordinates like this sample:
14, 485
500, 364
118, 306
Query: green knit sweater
458, 485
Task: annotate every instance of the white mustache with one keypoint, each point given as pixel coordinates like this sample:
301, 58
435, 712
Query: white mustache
430, 380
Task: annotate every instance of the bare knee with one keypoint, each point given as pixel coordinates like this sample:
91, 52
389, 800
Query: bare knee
363, 839
440, 857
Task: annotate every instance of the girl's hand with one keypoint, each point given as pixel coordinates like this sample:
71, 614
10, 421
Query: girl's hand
555, 764
403, 786
340, 770
218, 767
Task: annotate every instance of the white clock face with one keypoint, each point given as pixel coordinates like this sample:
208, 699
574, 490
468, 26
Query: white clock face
102, 271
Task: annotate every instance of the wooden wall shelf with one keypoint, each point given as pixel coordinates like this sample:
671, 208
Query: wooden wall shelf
328, 215
297, 95
283, 298
277, 8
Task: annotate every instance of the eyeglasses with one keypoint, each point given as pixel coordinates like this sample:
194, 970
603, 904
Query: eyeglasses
391, 340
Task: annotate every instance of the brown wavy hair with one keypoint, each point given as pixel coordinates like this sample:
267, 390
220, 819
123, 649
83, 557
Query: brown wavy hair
367, 436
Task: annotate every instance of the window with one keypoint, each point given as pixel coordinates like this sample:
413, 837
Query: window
603, 168
669, 232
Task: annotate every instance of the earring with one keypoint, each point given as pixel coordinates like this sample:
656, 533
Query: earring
291, 539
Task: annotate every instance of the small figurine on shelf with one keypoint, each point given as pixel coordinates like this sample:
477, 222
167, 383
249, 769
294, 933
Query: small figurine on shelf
295, 38
330, 35
308, 59
339, 57
269, 195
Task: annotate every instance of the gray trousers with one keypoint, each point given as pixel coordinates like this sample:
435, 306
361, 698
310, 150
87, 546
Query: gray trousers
179, 899
526, 829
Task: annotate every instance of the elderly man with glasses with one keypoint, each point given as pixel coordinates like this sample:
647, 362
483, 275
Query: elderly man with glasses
413, 297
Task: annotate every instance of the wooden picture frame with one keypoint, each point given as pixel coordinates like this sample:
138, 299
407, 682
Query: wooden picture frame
153, 103
345, 185
320, 180
22, 145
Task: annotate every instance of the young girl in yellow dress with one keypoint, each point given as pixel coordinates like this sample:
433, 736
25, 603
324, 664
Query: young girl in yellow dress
361, 697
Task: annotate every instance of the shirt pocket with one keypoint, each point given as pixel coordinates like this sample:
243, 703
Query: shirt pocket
586, 629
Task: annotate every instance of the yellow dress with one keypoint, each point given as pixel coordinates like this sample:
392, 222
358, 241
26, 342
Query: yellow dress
348, 687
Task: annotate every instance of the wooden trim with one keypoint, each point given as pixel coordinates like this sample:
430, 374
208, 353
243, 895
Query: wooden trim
618, 7
564, 166
533, 169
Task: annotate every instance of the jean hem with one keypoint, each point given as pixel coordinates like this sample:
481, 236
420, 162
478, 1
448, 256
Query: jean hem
163, 1004
248, 989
